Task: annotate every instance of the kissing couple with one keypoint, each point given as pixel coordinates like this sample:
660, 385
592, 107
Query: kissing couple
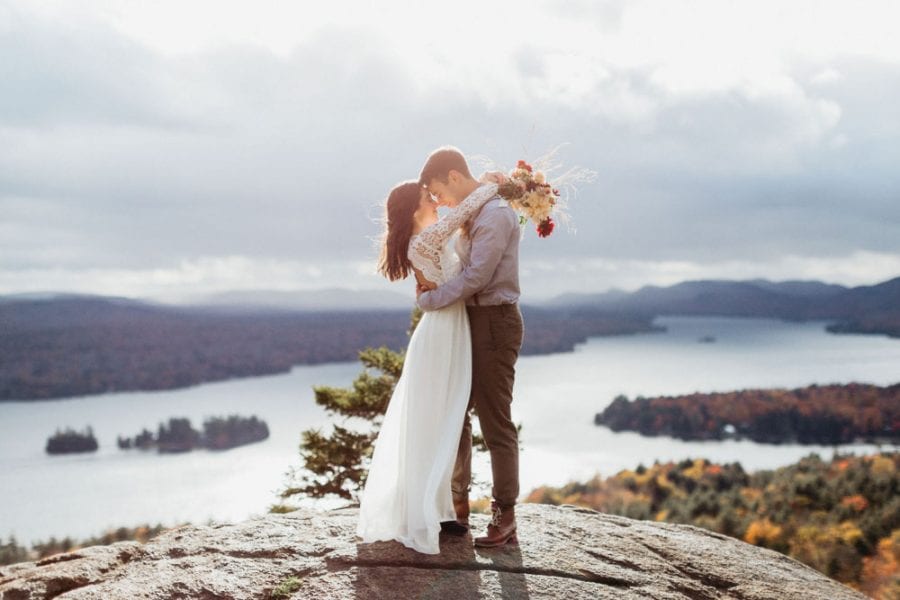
461, 356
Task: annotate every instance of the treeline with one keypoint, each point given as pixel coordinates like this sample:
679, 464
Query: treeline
69, 440
829, 414
178, 435
841, 517
11, 552
561, 329
73, 347
887, 323
78, 346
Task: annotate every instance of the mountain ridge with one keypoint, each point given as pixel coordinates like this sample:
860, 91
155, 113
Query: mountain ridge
864, 309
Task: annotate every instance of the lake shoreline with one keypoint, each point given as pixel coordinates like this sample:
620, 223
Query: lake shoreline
71, 348
556, 397
830, 326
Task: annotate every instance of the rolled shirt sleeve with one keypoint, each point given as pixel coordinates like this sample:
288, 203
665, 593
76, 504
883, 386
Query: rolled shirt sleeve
490, 237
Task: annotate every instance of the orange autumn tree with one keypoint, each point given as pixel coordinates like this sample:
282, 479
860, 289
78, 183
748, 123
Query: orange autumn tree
881, 572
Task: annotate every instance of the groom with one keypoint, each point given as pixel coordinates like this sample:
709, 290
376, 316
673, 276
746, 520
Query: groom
489, 283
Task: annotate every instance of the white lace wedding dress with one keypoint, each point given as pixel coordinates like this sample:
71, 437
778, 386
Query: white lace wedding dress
407, 492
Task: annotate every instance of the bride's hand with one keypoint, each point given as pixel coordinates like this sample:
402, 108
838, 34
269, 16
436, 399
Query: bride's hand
493, 177
423, 284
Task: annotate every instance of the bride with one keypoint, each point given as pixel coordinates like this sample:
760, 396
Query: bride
407, 493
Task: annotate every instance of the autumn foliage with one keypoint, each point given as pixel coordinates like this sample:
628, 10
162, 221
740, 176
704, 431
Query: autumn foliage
840, 517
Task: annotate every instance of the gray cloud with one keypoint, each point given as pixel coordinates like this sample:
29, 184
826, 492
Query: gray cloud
113, 156
54, 75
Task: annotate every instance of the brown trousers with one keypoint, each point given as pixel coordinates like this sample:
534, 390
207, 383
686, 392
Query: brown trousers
497, 333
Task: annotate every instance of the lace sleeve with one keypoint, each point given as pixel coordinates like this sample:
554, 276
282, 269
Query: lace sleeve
465, 211
430, 241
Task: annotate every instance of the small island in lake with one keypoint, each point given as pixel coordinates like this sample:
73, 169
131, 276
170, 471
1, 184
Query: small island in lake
218, 434
221, 434
71, 441
829, 414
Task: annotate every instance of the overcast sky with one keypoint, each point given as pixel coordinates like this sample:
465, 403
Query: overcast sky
169, 149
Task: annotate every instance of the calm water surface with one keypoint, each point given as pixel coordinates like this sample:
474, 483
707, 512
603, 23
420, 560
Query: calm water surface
556, 399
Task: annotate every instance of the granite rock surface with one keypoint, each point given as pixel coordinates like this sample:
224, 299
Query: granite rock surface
563, 552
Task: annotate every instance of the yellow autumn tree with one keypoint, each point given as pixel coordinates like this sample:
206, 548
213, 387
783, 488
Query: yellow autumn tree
763, 532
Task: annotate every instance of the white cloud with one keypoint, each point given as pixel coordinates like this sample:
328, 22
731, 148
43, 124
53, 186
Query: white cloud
194, 278
154, 140
542, 279
826, 76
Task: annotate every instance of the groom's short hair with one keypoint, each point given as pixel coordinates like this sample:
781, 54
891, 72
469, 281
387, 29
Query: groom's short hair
441, 162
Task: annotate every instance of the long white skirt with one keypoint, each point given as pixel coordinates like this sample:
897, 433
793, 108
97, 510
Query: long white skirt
407, 492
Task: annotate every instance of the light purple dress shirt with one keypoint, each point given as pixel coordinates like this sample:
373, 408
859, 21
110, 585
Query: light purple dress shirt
490, 273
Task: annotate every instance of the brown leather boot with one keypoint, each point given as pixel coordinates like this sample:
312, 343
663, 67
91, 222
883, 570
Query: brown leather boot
461, 525
501, 530
462, 510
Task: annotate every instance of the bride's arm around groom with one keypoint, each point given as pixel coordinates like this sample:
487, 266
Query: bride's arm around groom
490, 276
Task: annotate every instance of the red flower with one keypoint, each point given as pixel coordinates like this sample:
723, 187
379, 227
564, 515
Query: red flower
545, 227
524, 165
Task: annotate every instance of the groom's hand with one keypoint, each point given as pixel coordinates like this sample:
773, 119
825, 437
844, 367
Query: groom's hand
493, 177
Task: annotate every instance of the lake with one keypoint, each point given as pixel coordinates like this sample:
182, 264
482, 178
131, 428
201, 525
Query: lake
556, 398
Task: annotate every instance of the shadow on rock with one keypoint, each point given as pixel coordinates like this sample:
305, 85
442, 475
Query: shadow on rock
507, 562
391, 570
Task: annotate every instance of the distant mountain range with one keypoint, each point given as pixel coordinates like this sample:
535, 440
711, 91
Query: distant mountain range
865, 309
791, 300
310, 300
241, 301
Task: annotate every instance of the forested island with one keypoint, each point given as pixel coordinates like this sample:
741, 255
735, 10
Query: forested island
841, 517
826, 414
73, 346
178, 435
70, 441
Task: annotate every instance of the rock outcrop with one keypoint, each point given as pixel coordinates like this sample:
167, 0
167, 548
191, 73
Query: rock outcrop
563, 552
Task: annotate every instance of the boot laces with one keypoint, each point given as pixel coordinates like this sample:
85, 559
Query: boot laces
495, 516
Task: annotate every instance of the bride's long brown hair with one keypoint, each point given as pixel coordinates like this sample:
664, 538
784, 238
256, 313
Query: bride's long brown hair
402, 203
